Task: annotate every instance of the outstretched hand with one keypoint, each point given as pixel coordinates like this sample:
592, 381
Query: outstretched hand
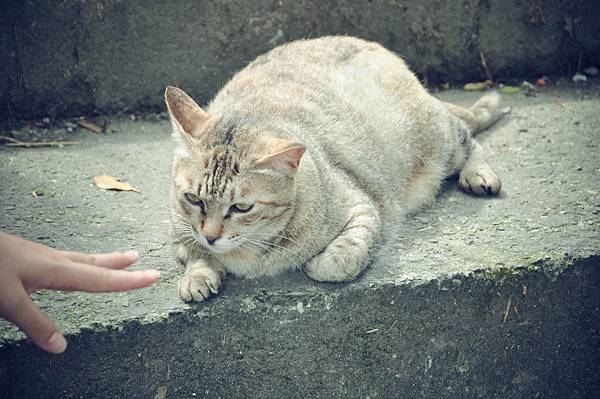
26, 267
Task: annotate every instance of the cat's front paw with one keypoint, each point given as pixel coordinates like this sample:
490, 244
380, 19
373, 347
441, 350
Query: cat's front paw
199, 284
315, 271
479, 180
330, 267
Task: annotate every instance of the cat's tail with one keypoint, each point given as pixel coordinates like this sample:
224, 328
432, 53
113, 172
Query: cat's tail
484, 113
488, 110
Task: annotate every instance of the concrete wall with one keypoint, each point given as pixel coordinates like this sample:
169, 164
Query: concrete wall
74, 57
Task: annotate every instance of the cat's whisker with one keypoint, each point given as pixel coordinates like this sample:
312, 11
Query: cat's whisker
258, 248
188, 240
182, 226
276, 248
242, 249
180, 230
185, 234
285, 238
247, 250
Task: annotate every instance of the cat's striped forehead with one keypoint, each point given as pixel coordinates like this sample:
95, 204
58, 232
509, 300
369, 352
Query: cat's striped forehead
222, 155
221, 166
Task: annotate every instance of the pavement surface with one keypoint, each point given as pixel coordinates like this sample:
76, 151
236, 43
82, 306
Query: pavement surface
476, 297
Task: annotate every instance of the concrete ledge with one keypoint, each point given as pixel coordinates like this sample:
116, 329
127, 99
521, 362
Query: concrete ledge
445, 339
70, 57
476, 298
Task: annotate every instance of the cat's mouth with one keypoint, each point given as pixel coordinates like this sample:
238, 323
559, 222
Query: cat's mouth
219, 246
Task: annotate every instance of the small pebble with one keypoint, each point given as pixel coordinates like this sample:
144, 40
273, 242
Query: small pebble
579, 78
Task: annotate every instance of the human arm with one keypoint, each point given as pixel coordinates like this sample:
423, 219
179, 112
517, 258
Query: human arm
26, 266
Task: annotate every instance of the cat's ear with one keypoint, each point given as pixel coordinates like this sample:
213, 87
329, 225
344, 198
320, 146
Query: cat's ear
282, 155
187, 116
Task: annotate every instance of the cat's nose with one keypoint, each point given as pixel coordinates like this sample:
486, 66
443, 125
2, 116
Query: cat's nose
211, 239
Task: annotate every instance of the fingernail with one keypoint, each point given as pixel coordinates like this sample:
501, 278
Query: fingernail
154, 273
56, 343
133, 253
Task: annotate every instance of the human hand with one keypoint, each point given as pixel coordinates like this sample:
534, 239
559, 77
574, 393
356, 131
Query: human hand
26, 267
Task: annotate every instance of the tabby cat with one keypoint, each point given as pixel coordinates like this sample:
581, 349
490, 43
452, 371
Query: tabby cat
305, 155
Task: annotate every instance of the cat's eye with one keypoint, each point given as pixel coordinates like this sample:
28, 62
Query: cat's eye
194, 200
241, 208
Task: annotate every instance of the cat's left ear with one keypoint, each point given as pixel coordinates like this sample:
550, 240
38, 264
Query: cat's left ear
282, 155
187, 116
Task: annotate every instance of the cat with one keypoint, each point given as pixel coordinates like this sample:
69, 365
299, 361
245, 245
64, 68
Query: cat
304, 155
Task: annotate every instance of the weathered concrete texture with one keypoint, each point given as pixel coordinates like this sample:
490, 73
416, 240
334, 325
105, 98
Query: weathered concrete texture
477, 297
74, 57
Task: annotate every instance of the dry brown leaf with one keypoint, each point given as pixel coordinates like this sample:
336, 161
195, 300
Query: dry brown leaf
91, 126
106, 182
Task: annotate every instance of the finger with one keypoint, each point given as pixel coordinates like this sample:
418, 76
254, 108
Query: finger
83, 277
114, 260
35, 324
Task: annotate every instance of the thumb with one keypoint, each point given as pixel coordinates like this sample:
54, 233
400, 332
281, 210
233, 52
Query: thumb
36, 325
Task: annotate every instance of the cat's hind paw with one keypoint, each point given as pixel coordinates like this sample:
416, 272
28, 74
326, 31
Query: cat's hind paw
199, 284
480, 181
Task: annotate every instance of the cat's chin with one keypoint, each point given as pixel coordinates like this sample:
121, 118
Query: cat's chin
231, 251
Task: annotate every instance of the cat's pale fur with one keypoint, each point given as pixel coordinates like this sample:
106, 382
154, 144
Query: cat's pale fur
329, 139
